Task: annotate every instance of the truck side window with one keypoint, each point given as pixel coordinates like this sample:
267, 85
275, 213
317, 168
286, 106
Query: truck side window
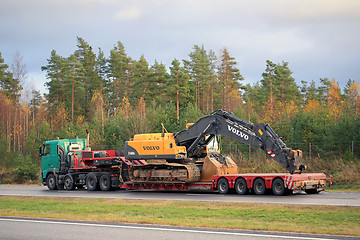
46, 150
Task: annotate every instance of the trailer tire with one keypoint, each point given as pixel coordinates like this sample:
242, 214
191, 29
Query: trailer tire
278, 187
69, 183
223, 186
51, 182
91, 182
105, 182
241, 186
259, 186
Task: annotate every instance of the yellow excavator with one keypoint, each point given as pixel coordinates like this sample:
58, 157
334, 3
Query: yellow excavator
192, 155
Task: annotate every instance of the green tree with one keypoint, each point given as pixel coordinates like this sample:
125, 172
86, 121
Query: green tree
309, 92
323, 89
91, 80
35, 103
119, 75
55, 73
229, 79
141, 81
278, 83
178, 86
75, 79
199, 68
158, 81
7, 82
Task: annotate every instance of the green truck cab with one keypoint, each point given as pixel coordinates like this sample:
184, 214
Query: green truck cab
53, 156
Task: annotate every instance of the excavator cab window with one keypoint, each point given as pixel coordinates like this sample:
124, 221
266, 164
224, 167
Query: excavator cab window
213, 145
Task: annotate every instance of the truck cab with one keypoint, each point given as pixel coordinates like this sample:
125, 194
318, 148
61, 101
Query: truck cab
53, 155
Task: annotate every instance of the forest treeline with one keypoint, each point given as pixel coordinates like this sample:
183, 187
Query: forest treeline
115, 97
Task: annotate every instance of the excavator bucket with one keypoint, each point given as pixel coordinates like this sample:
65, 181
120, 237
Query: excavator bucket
297, 157
216, 164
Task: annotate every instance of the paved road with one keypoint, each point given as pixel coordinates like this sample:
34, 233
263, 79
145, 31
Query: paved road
323, 198
31, 229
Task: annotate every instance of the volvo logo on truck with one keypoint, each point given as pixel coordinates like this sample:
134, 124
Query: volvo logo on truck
237, 132
149, 148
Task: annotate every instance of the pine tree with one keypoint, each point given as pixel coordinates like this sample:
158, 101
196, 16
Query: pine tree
101, 68
7, 82
75, 78
213, 80
280, 90
323, 90
35, 103
55, 73
158, 81
178, 86
119, 75
139, 87
229, 77
91, 80
200, 71
278, 83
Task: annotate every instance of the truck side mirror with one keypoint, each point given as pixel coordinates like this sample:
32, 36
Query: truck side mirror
41, 150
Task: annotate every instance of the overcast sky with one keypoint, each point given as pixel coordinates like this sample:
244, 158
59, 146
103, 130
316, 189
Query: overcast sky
319, 38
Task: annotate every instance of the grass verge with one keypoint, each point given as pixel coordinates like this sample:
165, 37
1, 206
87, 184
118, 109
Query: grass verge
343, 188
252, 216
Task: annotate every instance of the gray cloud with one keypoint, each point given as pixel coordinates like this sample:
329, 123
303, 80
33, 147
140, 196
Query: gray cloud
317, 38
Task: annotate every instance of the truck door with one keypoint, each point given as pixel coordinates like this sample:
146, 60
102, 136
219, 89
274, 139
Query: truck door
49, 159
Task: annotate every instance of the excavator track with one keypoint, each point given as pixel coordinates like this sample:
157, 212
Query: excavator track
165, 173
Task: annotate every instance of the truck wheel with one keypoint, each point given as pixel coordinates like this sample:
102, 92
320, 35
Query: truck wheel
259, 186
223, 186
69, 183
91, 182
278, 187
240, 186
51, 182
105, 182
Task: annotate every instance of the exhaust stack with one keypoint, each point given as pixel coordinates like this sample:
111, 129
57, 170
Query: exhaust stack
87, 147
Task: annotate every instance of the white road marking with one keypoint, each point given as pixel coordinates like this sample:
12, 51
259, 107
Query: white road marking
162, 229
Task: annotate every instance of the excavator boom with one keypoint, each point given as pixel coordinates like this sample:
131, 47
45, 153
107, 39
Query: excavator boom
222, 122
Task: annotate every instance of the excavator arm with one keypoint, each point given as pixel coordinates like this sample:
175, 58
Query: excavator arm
224, 123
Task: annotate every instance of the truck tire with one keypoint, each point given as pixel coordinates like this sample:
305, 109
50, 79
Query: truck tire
241, 186
105, 182
69, 183
223, 186
51, 182
259, 186
91, 182
278, 187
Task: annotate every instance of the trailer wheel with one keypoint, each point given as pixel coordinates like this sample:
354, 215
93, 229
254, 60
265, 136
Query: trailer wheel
241, 186
278, 187
91, 182
259, 186
69, 183
51, 182
223, 186
105, 182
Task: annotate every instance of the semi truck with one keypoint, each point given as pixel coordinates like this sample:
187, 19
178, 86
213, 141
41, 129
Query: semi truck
183, 161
